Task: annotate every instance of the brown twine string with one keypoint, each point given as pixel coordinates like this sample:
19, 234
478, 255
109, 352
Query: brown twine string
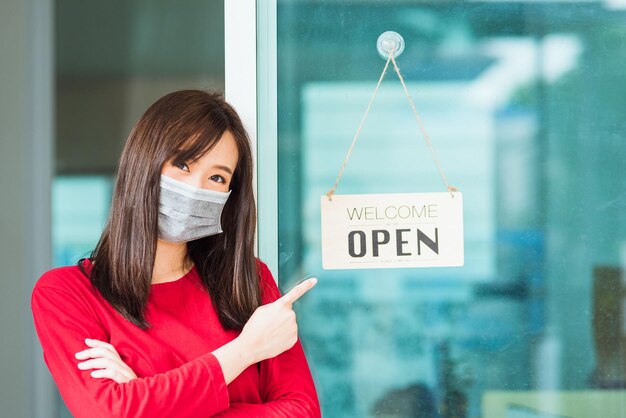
450, 188
358, 131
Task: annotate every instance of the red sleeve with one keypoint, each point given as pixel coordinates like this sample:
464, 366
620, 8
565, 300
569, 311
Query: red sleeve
286, 385
196, 389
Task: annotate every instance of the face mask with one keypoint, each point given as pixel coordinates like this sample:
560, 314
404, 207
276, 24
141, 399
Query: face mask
187, 213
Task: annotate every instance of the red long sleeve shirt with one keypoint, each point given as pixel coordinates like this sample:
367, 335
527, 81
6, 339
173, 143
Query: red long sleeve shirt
177, 374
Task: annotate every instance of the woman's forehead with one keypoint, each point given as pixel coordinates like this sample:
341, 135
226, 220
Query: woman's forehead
223, 151
196, 145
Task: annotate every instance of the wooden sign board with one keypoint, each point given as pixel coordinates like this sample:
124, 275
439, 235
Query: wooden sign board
392, 230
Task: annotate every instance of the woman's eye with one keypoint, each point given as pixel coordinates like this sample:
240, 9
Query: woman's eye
182, 166
218, 179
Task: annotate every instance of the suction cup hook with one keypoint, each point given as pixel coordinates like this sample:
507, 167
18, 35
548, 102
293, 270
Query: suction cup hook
390, 42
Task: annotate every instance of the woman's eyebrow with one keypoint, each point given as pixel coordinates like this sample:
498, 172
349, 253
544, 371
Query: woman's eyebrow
225, 168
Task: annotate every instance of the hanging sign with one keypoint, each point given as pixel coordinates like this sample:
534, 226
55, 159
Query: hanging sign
392, 230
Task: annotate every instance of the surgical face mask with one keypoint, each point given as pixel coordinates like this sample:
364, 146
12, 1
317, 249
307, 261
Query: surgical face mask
187, 213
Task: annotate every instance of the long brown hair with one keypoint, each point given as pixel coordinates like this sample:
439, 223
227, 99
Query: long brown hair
181, 127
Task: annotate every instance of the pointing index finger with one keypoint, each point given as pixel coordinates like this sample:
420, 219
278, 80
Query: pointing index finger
299, 290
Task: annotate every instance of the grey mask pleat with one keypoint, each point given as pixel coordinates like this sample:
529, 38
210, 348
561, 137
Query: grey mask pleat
187, 213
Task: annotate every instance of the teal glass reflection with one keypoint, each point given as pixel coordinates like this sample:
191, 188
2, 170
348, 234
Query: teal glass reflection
524, 103
80, 206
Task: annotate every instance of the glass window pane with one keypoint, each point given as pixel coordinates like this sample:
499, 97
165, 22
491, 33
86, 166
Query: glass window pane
524, 103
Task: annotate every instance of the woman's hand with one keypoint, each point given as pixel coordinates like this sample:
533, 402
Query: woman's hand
104, 358
272, 328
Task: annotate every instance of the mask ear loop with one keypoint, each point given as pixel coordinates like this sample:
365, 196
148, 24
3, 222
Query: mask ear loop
391, 52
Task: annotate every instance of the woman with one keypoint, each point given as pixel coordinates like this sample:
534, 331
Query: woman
172, 316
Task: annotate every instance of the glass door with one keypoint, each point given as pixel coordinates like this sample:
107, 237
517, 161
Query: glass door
113, 59
525, 104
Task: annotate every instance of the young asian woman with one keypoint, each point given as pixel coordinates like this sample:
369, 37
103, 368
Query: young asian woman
172, 315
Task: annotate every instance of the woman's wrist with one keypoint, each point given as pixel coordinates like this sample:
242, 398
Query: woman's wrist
245, 350
234, 357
